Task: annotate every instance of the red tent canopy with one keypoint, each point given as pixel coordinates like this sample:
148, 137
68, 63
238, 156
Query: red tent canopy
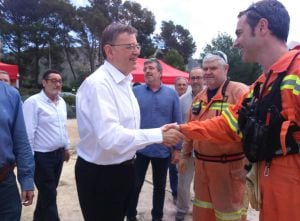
12, 70
168, 76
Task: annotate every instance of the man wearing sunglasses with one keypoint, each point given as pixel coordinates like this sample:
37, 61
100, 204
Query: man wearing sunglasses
46, 122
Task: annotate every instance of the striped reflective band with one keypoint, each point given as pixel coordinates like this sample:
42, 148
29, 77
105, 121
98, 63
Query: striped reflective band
250, 94
232, 121
217, 106
226, 216
196, 103
202, 204
236, 215
291, 82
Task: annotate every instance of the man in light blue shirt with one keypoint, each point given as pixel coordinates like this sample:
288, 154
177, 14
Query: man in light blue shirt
159, 105
14, 150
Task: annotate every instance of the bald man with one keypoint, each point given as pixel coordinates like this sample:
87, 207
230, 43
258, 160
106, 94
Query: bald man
181, 85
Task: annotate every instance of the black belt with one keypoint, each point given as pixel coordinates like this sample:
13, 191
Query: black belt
5, 170
221, 158
128, 162
54, 152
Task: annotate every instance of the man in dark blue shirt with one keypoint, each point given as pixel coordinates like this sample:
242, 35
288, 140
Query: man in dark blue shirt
14, 150
159, 105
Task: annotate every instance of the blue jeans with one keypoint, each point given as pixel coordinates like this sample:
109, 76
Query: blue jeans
48, 167
159, 176
10, 203
173, 176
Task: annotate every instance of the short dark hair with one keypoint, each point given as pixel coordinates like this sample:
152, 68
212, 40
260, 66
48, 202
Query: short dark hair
48, 72
112, 31
272, 10
154, 60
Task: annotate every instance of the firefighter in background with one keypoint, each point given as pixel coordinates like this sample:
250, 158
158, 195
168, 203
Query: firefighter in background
220, 176
267, 119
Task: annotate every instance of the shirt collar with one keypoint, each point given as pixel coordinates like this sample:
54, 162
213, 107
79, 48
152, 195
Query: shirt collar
279, 66
46, 98
283, 62
116, 74
160, 87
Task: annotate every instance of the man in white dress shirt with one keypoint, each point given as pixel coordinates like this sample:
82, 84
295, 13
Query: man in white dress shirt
108, 119
45, 117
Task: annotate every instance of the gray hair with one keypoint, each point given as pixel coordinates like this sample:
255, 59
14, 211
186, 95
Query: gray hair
156, 61
112, 31
216, 55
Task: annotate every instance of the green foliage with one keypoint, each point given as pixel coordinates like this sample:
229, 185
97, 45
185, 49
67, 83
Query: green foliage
71, 100
178, 38
28, 91
82, 75
35, 29
238, 70
174, 59
143, 20
42, 34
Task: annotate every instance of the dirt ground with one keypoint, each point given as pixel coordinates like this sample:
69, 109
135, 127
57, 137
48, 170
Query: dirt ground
67, 199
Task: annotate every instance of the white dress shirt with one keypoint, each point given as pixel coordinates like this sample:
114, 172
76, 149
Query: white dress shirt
46, 123
108, 117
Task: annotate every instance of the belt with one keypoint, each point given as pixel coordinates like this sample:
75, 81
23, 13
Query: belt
225, 158
54, 152
5, 170
128, 162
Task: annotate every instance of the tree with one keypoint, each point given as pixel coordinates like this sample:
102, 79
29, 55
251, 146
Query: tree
62, 27
238, 70
92, 22
143, 20
35, 29
176, 37
174, 59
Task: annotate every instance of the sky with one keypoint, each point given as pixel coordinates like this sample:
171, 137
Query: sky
206, 19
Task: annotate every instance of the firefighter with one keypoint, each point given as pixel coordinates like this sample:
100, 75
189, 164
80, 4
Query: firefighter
266, 120
219, 168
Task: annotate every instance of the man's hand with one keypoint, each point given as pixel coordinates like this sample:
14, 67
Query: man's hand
171, 137
27, 197
170, 126
67, 155
175, 156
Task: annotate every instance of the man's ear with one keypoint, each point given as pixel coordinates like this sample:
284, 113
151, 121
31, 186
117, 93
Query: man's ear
44, 83
263, 26
226, 66
108, 50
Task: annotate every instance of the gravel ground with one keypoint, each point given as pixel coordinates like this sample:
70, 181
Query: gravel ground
68, 204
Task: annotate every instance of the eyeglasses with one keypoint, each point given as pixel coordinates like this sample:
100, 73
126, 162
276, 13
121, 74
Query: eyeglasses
129, 47
54, 81
196, 78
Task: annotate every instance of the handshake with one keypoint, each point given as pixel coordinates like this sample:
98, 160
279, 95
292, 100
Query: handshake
171, 134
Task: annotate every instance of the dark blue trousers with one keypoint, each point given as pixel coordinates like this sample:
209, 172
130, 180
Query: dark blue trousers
48, 167
10, 202
159, 175
173, 176
104, 190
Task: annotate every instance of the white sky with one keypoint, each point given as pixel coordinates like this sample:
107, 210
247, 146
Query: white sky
205, 19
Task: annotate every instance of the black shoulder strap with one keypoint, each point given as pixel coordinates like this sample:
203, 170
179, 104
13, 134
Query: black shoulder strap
225, 87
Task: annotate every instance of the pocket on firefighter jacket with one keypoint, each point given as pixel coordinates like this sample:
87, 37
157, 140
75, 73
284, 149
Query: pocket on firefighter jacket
254, 140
